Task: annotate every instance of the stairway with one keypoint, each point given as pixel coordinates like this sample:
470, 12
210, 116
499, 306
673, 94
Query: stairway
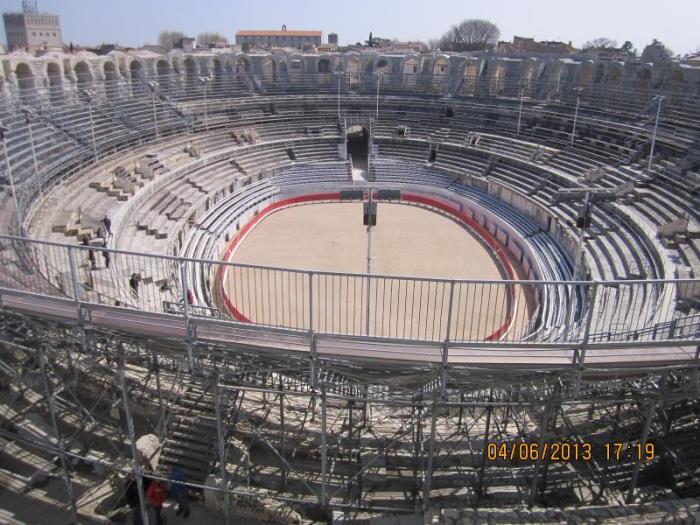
191, 435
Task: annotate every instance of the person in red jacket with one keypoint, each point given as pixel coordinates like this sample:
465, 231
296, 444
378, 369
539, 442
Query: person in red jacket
157, 491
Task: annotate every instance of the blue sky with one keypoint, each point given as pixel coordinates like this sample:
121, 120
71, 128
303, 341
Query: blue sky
135, 22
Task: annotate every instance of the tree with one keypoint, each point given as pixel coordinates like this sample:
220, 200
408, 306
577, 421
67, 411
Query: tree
657, 53
628, 47
168, 39
204, 39
469, 35
600, 42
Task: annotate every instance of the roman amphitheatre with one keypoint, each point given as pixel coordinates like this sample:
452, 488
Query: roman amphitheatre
192, 275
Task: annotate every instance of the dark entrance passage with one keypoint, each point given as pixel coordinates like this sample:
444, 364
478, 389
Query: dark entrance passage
358, 147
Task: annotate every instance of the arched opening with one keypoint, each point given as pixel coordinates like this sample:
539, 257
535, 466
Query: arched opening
614, 83
53, 73
111, 78
643, 83
269, 71
324, 71
25, 80
440, 69
676, 85
383, 71
358, 146
352, 69
599, 74
82, 74
190, 72
498, 81
296, 71
585, 77
471, 73
135, 72
410, 72
242, 67
163, 71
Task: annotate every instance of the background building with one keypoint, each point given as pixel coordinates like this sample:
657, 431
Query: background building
32, 30
282, 38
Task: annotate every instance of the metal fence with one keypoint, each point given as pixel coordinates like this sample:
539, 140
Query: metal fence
394, 308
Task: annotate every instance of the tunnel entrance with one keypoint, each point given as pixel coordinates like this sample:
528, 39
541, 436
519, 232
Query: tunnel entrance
358, 147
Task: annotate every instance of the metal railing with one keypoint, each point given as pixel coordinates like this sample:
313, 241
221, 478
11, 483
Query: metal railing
507, 312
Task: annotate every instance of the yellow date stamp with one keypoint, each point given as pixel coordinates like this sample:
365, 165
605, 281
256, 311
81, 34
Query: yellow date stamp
566, 451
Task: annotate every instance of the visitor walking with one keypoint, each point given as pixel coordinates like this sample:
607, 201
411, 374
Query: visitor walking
156, 496
108, 225
179, 490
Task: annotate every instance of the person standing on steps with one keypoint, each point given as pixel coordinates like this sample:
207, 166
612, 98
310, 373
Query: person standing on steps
156, 496
179, 490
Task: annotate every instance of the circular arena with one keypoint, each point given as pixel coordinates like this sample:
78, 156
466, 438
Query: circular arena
348, 288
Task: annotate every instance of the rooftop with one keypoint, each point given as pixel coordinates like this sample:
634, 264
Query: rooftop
264, 32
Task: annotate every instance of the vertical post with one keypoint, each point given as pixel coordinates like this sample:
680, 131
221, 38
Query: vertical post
480, 481
206, 113
660, 99
573, 129
585, 336
186, 310
8, 168
221, 446
75, 279
446, 344
136, 464
543, 434
642, 442
283, 434
57, 435
369, 260
324, 448
92, 131
520, 110
376, 116
31, 143
155, 114
311, 302
338, 77
431, 452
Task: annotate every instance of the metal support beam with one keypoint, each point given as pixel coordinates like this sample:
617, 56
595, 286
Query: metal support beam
135, 459
221, 447
431, 452
544, 426
480, 479
41, 356
642, 441
324, 448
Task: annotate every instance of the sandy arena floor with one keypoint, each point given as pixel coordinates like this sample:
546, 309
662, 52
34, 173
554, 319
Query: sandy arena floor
408, 241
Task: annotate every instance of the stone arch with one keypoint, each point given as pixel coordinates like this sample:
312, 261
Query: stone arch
55, 80
25, 79
269, 70
642, 82
676, 84
498, 79
135, 72
82, 73
411, 71
296, 70
353, 70
471, 74
242, 65
599, 75
163, 73
441, 66
324, 66
111, 77
585, 77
